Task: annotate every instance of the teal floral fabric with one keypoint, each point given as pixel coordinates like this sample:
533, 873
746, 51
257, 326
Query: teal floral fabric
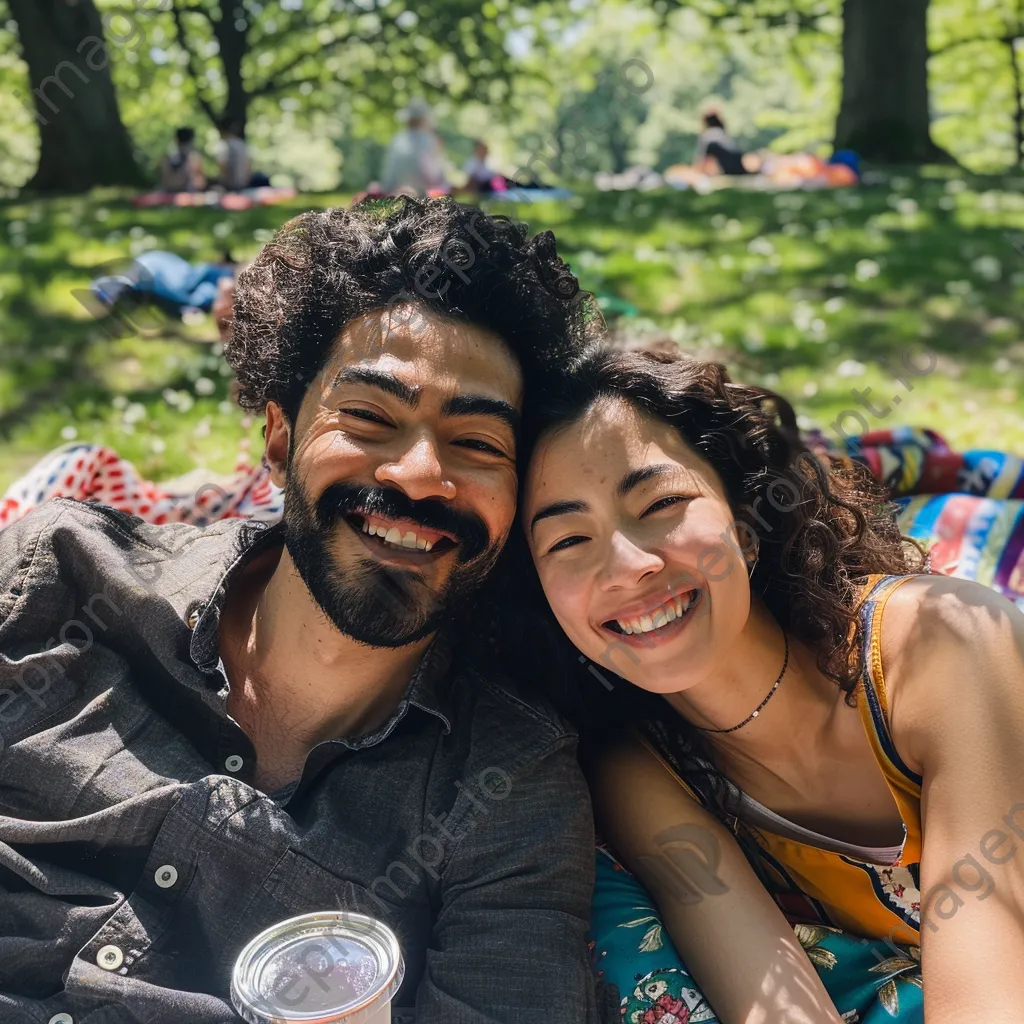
870, 982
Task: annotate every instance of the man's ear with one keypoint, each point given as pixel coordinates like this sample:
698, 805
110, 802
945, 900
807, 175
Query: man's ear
277, 441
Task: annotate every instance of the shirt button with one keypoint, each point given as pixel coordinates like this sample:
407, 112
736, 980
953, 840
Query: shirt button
234, 763
110, 958
61, 1018
193, 618
166, 876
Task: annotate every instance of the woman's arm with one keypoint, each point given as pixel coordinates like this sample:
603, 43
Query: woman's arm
954, 654
729, 932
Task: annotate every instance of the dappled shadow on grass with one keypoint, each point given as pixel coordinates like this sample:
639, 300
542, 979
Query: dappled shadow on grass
58, 363
804, 279
788, 288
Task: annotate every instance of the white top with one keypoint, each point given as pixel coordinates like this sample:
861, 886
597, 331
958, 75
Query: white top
753, 812
413, 161
235, 163
477, 170
709, 135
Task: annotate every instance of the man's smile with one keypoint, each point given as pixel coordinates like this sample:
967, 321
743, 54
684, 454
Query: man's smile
400, 540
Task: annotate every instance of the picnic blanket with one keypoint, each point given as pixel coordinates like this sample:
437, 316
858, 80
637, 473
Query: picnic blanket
244, 199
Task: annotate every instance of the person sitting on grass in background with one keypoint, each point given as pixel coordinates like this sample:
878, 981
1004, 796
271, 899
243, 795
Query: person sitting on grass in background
717, 151
235, 160
480, 178
181, 170
414, 162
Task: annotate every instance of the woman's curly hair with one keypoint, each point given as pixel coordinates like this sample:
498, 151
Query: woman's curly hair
327, 268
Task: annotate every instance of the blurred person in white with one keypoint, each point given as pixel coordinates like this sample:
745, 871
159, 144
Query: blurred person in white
414, 162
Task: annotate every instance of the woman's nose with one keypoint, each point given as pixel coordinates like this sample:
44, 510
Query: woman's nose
418, 472
628, 563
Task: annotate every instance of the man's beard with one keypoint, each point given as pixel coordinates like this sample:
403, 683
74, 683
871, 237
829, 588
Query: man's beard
375, 604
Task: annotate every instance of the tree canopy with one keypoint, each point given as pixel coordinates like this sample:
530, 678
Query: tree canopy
316, 83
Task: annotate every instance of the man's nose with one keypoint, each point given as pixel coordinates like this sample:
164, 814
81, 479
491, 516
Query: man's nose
418, 471
628, 563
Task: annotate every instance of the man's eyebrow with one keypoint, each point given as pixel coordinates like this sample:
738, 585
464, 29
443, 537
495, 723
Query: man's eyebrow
381, 380
558, 508
478, 405
635, 477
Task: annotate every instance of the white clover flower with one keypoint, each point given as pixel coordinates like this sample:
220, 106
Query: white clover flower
850, 368
988, 267
68, 433
205, 386
867, 269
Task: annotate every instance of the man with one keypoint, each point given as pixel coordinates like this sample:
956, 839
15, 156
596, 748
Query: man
205, 732
414, 161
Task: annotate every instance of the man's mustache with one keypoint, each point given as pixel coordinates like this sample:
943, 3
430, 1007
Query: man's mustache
342, 499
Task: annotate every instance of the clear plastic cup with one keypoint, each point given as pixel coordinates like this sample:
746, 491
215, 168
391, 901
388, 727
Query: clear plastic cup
322, 968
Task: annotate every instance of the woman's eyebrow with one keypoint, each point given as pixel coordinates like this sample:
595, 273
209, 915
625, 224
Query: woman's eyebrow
635, 477
558, 508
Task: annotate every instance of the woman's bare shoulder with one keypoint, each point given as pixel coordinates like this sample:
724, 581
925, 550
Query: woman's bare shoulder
946, 641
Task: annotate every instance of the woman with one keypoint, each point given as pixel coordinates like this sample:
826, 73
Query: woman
717, 151
812, 716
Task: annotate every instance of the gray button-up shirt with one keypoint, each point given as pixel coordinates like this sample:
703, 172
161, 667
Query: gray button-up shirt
137, 859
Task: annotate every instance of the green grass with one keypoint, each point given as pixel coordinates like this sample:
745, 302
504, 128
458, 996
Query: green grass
811, 294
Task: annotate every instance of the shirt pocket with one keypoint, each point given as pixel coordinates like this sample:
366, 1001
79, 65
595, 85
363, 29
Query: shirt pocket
299, 885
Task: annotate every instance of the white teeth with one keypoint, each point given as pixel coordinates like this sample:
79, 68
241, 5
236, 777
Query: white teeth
394, 536
668, 612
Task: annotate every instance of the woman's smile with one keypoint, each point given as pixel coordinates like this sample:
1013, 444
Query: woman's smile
630, 530
656, 620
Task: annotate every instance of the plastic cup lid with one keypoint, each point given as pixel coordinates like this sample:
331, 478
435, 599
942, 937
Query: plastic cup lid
318, 968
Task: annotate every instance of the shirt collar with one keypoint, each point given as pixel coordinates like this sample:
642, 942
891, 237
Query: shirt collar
426, 690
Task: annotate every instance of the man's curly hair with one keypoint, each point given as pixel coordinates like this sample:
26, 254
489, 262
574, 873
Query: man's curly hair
327, 268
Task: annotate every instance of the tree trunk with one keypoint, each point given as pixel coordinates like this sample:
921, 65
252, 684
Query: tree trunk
1018, 107
82, 140
232, 38
883, 114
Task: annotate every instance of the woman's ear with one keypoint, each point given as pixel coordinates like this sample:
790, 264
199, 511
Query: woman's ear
277, 443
